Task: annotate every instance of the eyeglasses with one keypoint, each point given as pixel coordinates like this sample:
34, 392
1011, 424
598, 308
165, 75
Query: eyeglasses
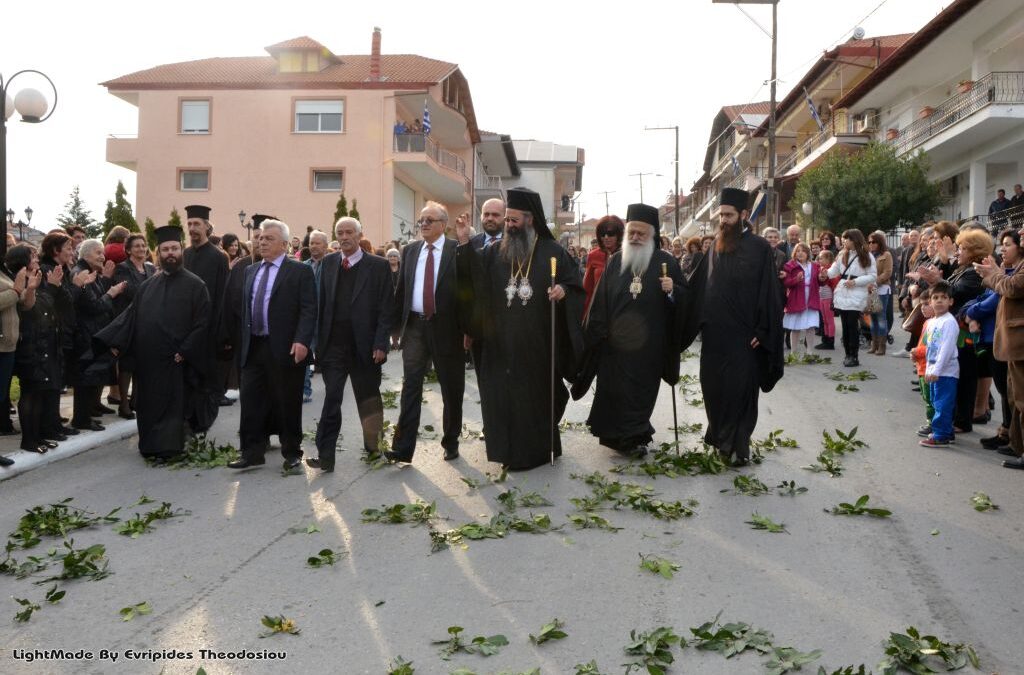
430, 221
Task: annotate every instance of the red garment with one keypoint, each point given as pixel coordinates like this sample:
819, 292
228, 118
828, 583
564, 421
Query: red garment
115, 252
596, 260
795, 302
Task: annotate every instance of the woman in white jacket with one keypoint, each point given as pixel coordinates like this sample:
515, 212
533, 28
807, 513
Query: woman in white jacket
856, 269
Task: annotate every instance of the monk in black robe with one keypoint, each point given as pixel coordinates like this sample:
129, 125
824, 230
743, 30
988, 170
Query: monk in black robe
634, 324
738, 312
510, 292
209, 263
165, 330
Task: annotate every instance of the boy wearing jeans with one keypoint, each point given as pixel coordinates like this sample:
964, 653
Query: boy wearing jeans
942, 369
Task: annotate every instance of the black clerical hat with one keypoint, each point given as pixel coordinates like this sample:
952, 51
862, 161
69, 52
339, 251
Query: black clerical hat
168, 233
198, 211
643, 213
525, 199
736, 198
258, 218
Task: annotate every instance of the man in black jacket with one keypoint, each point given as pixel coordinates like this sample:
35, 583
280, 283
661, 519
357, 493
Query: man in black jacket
279, 318
431, 333
352, 340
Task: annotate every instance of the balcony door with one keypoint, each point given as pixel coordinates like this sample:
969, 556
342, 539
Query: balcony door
403, 211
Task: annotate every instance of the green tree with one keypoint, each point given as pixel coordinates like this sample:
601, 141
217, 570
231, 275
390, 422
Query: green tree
870, 190
75, 213
150, 228
175, 219
340, 211
119, 212
354, 212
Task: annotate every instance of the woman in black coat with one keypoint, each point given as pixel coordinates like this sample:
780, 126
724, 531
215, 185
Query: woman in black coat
133, 272
37, 361
94, 309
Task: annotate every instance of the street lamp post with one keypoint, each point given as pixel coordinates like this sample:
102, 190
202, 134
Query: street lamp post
641, 175
32, 107
676, 195
248, 228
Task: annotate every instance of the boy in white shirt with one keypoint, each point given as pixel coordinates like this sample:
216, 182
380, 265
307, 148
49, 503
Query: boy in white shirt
943, 369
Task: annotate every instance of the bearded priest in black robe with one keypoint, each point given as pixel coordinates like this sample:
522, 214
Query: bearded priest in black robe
635, 325
509, 288
165, 330
738, 311
209, 263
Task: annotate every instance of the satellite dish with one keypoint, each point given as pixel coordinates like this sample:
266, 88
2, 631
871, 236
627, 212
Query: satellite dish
858, 33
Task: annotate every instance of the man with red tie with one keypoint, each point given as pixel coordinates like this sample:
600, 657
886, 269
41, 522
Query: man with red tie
432, 332
352, 339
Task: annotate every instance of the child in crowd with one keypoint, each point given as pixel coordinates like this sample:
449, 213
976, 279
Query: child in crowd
828, 318
943, 368
802, 296
920, 356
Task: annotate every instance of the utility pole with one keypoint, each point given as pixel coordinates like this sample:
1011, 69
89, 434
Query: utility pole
641, 175
606, 193
771, 196
676, 199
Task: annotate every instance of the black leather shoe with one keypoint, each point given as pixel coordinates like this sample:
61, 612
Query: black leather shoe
48, 443
245, 463
290, 464
6, 461
39, 449
57, 438
982, 419
127, 414
994, 442
9, 432
92, 426
69, 431
225, 401
1014, 463
1007, 450
103, 410
393, 456
740, 461
314, 463
451, 453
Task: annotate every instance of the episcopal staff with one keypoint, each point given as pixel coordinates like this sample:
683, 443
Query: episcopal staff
634, 325
738, 311
352, 341
432, 332
509, 285
277, 329
209, 263
164, 331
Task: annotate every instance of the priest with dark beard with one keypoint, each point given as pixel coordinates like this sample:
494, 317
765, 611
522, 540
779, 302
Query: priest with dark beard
737, 310
165, 330
510, 290
634, 325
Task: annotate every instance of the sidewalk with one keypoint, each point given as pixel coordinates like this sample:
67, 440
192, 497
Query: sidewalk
116, 430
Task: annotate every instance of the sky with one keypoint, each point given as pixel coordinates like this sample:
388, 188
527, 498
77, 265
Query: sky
591, 74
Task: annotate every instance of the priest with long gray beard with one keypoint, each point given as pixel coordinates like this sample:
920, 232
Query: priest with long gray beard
633, 334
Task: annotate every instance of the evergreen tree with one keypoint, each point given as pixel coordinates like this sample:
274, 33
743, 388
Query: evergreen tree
119, 212
150, 233
340, 211
175, 218
75, 213
354, 213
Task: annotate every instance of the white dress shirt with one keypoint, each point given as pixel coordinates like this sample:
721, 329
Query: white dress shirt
421, 267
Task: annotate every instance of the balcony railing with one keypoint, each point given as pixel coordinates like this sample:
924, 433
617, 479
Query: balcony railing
424, 144
805, 149
740, 181
485, 181
1000, 87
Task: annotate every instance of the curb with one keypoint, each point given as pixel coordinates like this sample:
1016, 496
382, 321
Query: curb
76, 445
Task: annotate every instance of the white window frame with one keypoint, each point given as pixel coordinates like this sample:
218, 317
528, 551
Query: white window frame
181, 124
317, 172
318, 108
181, 180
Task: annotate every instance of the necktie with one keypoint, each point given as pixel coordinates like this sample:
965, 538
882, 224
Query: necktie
344, 264
428, 284
259, 317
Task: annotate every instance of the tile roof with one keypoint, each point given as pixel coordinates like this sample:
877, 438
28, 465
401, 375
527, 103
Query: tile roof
302, 42
260, 72
734, 111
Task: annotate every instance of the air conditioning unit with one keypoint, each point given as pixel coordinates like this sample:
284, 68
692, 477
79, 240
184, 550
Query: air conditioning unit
868, 121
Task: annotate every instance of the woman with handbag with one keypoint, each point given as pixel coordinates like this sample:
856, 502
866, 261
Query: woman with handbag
880, 293
856, 270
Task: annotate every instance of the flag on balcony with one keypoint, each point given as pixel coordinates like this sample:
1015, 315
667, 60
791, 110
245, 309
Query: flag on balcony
814, 111
426, 118
735, 166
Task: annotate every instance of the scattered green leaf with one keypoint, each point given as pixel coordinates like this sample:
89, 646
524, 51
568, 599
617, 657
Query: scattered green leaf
417, 513
549, 631
140, 609
982, 502
790, 489
759, 522
326, 556
657, 565
860, 508
924, 654
786, 659
278, 624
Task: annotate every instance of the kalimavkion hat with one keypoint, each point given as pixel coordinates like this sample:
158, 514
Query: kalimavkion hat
258, 218
736, 198
643, 213
525, 199
168, 233
198, 211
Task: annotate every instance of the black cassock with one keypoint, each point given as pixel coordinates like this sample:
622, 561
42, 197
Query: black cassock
637, 344
515, 364
210, 264
735, 299
169, 315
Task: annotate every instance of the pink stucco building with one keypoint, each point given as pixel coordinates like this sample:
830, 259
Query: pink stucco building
285, 133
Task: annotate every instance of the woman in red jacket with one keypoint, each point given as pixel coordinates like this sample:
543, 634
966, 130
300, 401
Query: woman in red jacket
802, 299
609, 240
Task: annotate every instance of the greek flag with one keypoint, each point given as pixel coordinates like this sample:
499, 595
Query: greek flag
814, 111
426, 118
735, 166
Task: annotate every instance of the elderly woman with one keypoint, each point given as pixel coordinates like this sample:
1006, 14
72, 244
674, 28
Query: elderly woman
973, 245
692, 256
133, 272
394, 262
609, 232
94, 309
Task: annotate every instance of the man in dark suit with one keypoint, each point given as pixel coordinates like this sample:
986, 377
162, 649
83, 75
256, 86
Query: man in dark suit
492, 220
277, 329
352, 340
432, 332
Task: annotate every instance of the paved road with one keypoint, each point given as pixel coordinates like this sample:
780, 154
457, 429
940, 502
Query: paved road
832, 583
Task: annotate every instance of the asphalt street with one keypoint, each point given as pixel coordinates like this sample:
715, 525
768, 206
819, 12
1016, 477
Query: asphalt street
835, 583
